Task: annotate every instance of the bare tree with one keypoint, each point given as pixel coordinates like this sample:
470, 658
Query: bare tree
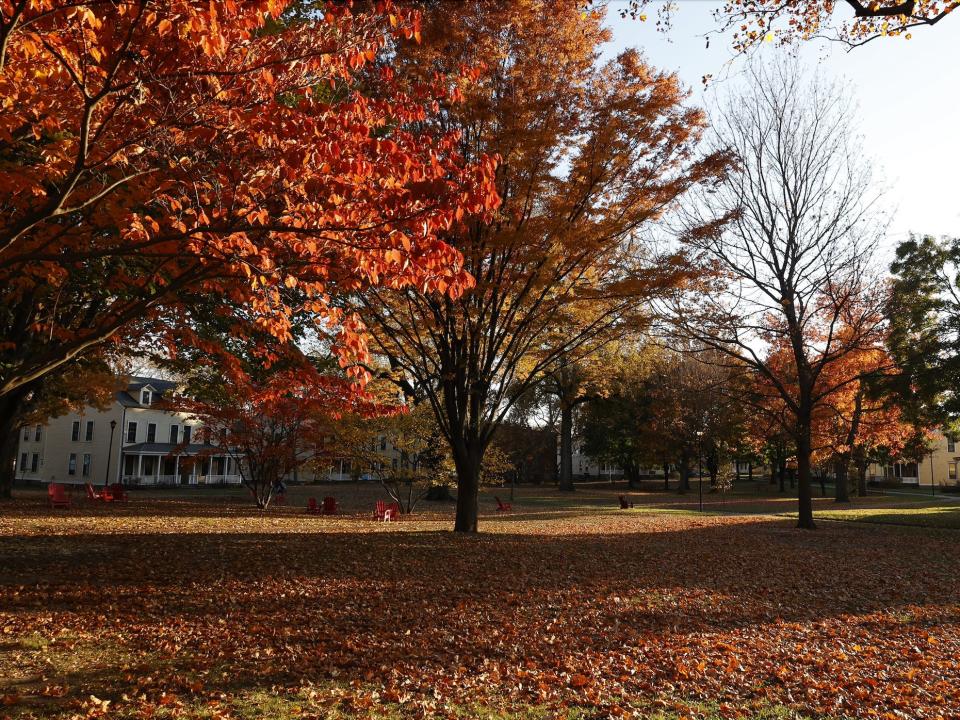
793, 290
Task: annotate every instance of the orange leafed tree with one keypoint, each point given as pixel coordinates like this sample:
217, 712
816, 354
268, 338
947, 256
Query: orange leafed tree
157, 154
273, 423
857, 418
590, 155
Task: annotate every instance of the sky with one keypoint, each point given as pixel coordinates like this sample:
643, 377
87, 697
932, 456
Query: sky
907, 91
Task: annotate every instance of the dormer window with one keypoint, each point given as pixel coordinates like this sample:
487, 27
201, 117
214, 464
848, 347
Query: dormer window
146, 396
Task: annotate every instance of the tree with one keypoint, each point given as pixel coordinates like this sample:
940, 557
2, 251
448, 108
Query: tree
794, 227
588, 157
859, 416
273, 422
618, 427
403, 451
573, 384
157, 155
789, 21
924, 339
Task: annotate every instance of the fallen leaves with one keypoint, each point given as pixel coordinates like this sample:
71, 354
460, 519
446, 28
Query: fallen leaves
196, 607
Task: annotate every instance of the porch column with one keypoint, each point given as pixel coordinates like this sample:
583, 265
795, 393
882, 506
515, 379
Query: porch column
139, 468
176, 469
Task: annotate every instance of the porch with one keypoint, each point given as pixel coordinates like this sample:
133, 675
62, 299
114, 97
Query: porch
193, 465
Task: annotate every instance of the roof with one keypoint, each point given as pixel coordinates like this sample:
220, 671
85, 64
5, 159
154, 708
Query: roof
131, 396
172, 448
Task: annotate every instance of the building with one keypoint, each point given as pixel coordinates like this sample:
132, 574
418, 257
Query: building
938, 468
133, 441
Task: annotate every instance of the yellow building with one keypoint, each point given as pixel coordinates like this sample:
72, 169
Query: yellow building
939, 467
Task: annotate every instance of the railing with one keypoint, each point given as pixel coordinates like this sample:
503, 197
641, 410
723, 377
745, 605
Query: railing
141, 480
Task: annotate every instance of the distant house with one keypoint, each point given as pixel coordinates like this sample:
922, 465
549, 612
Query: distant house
137, 442
938, 468
133, 441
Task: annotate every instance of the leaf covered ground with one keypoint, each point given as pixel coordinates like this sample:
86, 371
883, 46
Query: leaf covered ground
200, 607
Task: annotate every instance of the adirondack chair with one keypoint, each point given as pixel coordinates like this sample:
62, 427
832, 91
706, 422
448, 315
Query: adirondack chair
57, 496
383, 513
329, 506
118, 492
279, 499
623, 502
312, 507
394, 510
103, 496
502, 506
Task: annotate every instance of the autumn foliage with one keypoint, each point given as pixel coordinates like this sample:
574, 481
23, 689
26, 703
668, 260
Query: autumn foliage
153, 153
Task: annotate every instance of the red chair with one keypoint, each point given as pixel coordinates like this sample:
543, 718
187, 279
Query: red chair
383, 513
118, 493
280, 499
103, 496
312, 507
394, 511
502, 506
329, 506
57, 495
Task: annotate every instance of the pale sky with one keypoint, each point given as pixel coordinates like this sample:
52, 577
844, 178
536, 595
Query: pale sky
908, 92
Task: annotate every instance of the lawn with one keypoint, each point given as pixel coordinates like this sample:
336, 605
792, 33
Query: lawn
195, 605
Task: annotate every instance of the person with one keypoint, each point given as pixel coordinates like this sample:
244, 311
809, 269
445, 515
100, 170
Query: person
278, 487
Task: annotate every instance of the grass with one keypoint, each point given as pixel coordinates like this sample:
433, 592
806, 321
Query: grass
195, 605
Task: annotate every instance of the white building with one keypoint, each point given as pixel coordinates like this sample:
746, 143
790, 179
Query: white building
132, 441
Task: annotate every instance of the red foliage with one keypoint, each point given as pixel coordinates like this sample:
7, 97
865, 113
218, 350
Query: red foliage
157, 152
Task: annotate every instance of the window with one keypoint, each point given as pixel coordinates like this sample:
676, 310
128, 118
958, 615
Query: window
34, 462
36, 434
86, 464
131, 432
186, 434
151, 432
146, 397
89, 434
951, 444
952, 470
75, 431
26, 433
174, 434
383, 443
23, 462
72, 465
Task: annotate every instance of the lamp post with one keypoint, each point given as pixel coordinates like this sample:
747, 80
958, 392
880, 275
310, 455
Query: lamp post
106, 474
700, 467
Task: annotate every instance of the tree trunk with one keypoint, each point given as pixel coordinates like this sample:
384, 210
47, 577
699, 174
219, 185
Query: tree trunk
805, 504
861, 475
842, 489
10, 406
684, 473
666, 477
467, 461
632, 473
566, 447
782, 474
